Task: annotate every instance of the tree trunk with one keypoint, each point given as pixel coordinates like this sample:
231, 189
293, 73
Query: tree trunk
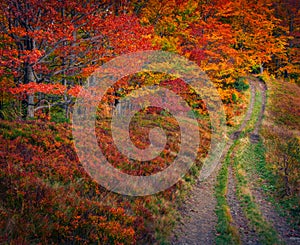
30, 108
261, 69
66, 106
29, 77
30, 97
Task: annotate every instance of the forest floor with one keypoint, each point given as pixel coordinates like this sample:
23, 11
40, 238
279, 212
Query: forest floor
230, 207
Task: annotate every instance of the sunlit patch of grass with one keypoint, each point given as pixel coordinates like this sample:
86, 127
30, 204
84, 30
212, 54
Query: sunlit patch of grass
255, 113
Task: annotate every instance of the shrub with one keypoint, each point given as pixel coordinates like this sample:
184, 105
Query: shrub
59, 117
240, 84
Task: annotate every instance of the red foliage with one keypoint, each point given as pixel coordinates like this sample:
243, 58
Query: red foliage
47, 196
47, 43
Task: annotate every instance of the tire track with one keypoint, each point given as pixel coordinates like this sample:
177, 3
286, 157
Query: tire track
247, 235
198, 218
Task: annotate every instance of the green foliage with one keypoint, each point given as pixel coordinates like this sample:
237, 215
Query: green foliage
240, 84
255, 69
234, 98
58, 116
9, 110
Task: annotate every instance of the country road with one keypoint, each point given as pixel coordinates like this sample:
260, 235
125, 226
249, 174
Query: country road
198, 221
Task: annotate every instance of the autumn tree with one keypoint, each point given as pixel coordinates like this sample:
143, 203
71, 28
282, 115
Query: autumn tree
197, 30
288, 64
61, 42
254, 25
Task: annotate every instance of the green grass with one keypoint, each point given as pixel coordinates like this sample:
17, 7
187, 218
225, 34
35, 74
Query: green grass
255, 113
226, 232
269, 182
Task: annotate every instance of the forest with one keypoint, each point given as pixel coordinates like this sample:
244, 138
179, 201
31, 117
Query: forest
50, 52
